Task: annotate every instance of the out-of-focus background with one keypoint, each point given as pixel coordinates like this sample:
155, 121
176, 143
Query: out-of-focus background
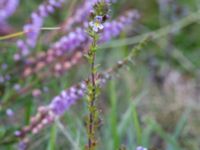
154, 102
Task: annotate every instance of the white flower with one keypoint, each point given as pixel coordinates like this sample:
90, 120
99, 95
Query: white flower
97, 24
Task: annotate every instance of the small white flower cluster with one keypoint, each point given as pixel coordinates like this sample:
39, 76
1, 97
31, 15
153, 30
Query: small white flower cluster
97, 25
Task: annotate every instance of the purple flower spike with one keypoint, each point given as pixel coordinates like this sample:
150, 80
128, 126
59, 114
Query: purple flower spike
110, 29
70, 42
114, 28
63, 102
78, 39
32, 30
58, 106
67, 98
7, 8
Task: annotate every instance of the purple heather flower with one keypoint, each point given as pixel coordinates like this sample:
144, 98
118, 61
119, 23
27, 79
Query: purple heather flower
36, 92
24, 49
58, 106
78, 37
80, 14
32, 30
9, 112
17, 133
67, 97
114, 28
22, 145
7, 8
70, 42
63, 102
7, 77
4, 66
17, 87
2, 79
141, 148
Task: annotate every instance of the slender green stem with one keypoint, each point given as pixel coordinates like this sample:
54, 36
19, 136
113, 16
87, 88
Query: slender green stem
92, 98
20, 33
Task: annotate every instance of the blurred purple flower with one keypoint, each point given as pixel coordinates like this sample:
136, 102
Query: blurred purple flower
17, 87
70, 42
9, 112
32, 30
4, 66
58, 106
21, 145
79, 37
2, 79
114, 28
7, 77
17, 133
7, 8
36, 92
141, 148
68, 97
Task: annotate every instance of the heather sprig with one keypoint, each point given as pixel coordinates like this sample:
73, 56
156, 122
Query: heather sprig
32, 29
59, 104
62, 102
76, 39
79, 40
61, 66
79, 17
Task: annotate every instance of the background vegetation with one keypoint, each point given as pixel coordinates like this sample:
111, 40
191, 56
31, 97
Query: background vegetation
153, 102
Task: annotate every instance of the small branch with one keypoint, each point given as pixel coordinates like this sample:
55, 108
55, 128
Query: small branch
20, 33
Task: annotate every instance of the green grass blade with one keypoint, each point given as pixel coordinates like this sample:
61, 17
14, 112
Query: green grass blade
181, 124
52, 138
127, 116
146, 135
137, 125
170, 140
28, 110
113, 115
